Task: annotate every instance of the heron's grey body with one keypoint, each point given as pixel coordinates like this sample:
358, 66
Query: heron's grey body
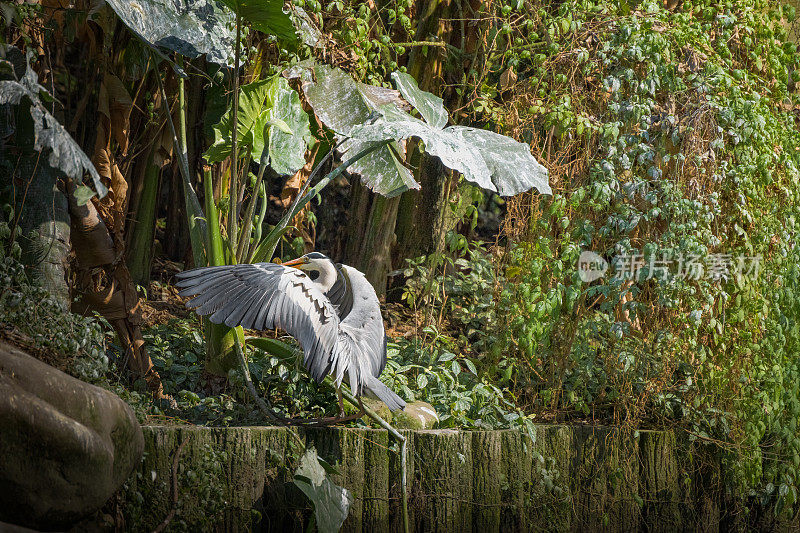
335, 316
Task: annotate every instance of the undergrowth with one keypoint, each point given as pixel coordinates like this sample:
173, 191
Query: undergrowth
671, 139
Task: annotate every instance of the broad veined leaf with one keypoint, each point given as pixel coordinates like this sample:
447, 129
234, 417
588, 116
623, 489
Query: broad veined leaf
19, 81
266, 16
331, 502
342, 104
490, 160
431, 107
513, 168
452, 150
189, 28
269, 111
368, 115
287, 145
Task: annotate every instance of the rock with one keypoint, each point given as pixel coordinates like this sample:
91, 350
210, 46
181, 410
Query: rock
378, 406
416, 415
67, 446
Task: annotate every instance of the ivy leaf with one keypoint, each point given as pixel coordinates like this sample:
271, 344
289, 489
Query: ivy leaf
270, 115
331, 502
19, 83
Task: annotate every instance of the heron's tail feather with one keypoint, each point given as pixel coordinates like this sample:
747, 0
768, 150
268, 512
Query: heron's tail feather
384, 393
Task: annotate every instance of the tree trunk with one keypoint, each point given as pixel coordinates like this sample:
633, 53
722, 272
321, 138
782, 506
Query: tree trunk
372, 234
140, 250
43, 225
420, 223
106, 287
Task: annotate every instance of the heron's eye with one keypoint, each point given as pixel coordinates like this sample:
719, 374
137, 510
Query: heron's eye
313, 274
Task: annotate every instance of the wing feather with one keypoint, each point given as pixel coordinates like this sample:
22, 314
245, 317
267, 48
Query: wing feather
265, 296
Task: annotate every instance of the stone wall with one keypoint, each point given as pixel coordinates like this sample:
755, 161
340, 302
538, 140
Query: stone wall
571, 478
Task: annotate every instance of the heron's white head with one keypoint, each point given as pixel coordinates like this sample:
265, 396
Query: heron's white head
318, 267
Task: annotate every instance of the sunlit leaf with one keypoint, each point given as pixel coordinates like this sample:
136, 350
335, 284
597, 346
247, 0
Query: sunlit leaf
266, 16
17, 82
331, 502
341, 103
269, 112
189, 28
490, 160
431, 107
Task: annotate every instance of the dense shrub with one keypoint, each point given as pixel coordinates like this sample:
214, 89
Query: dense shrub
672, 138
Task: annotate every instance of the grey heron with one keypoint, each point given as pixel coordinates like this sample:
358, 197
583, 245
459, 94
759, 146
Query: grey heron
331, 309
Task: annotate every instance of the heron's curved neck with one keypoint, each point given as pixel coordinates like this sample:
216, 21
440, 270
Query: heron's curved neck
327, 275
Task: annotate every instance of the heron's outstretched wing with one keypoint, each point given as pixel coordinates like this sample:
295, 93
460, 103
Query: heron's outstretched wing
264, 296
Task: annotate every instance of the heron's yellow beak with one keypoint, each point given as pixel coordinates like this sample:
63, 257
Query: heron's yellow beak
296, 262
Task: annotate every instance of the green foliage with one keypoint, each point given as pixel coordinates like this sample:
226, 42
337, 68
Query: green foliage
71, 342
373, 38
266, 16
201, 495
676, 141
455, 294
270, 121
428, 369
461, 286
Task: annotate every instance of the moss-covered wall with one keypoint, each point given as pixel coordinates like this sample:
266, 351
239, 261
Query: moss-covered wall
569, 479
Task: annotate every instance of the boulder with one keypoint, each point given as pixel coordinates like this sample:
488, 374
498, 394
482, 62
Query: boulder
67, 446
378, 406
416, 415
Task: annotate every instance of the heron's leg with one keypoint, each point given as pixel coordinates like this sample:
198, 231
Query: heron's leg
341, 401
328, 421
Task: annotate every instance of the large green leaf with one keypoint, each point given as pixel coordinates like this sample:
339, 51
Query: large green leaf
493, 161
266, 16
17, 82
269, 111
431, 107
331, 502
367, 115
189, 28
341, 104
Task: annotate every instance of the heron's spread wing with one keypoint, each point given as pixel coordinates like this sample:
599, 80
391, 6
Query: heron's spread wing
264, 296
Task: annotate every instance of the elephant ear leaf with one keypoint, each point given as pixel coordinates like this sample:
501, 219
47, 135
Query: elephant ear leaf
189, 28
512, 167
331, 502
267, 16
270, 118
430, 106
342, 104
366, 116
490, 160
18, 85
